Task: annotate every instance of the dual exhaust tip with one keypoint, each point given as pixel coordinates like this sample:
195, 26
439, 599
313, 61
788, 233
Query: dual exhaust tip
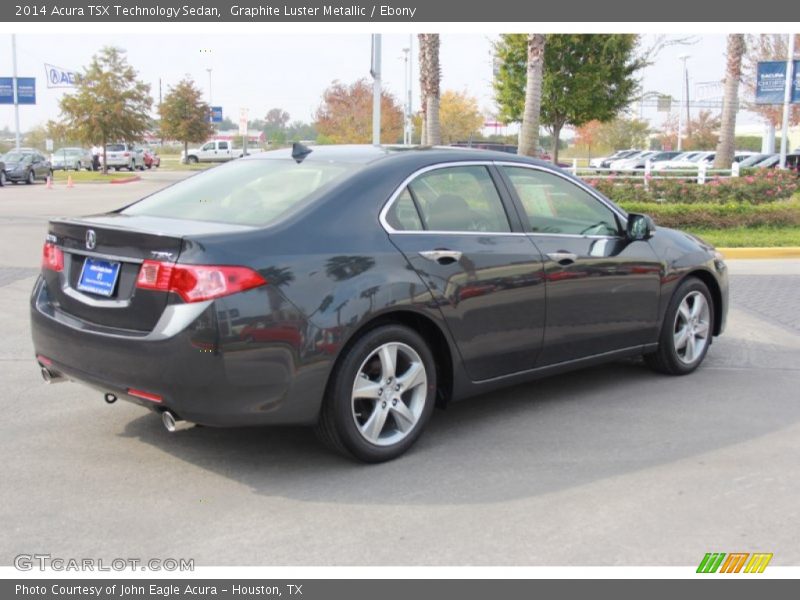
51, 376
172, 423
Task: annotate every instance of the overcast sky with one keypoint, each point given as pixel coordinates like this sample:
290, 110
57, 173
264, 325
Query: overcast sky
290, 71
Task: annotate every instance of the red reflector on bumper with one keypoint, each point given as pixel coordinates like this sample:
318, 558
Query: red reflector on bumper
145, 395
44, 360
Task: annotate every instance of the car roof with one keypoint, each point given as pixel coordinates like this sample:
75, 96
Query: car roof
366, 154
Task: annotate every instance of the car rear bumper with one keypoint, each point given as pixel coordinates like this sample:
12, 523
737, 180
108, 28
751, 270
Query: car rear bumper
196, 373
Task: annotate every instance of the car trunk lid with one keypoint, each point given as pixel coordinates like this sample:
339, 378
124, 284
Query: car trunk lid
102, 258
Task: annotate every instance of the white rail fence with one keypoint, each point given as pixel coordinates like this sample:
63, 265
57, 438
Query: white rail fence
700, 175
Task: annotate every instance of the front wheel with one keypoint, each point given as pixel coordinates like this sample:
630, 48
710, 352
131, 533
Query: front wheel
3, 180
381, 396
686, 332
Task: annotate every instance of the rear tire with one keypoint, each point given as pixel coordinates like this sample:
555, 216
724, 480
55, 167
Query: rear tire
2, 178
31, 179
686, 332
192, 160
381, 395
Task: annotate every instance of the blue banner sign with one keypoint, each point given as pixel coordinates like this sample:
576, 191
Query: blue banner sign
771, 82
26, 90
216, 114
6, 90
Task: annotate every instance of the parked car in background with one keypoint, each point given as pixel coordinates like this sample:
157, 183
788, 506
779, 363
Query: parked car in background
151, 158
691, 161
212, 151
603, 162
769, 162
121, 155
356, 287
680, 158
659, 156
752, 161
26, 165
2, 173
72, 158
637, 161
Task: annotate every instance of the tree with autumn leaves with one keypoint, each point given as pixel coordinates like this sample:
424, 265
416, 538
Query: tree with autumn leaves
185, 116
345, 115
109, 103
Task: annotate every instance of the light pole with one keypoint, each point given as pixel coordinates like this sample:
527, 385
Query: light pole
208, 70
14, 88
787, 98
375, 71
407, 94
684, 98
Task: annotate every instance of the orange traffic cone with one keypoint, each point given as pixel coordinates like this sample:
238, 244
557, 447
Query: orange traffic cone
69, 181
49, 183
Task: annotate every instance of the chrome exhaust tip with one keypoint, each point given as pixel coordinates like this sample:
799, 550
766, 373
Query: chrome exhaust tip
172, 423
51, 377
110, 398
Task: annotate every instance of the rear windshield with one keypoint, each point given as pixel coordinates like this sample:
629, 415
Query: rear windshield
115, 147
244, 192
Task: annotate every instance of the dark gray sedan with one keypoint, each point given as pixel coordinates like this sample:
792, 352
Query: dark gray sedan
355, 288
27, 166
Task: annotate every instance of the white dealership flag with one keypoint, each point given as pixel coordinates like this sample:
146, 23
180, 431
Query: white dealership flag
60, 78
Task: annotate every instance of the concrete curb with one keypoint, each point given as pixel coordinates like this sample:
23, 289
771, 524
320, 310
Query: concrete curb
784, 252
126, 180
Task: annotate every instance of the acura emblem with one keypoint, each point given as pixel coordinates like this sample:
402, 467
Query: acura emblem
91, 239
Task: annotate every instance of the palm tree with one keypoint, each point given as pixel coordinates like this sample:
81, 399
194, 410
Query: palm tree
529, 133
429, 77
730, 102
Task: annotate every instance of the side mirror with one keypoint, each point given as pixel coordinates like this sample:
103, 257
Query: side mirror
640, 227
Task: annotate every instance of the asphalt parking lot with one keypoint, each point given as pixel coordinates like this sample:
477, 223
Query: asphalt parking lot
617, 466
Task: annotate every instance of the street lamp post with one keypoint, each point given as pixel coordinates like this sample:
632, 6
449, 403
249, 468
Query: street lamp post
407, 94
684, 99
209, 86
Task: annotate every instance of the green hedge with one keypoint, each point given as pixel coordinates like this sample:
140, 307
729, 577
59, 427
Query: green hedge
765, 186
712, 215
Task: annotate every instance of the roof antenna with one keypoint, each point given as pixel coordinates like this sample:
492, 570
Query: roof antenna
299, 152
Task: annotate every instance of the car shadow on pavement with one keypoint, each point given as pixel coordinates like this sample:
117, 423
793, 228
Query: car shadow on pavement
527, 440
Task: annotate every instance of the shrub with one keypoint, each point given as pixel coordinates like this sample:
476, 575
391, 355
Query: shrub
763, 186
712, 215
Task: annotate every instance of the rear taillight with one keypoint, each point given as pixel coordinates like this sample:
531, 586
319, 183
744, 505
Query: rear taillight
52, 257
195, 283
126, 154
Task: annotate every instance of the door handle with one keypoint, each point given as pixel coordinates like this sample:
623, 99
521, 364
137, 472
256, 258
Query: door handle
443, 257
562, 257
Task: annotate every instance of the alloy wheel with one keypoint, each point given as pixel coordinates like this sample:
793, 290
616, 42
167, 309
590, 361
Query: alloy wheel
692, 327
389, 394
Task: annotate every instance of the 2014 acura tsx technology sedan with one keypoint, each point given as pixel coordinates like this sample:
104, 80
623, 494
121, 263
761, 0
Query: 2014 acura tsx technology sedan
354, 288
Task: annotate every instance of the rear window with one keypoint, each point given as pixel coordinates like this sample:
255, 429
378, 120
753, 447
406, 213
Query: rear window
115, 147
243, 192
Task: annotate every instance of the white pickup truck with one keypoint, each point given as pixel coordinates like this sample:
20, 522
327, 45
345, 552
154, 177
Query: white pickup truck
213, 151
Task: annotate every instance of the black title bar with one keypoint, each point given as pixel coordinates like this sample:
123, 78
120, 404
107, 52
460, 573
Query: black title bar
418, 11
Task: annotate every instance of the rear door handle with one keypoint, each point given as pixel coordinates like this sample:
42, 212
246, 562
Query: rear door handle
562, 258
443, 257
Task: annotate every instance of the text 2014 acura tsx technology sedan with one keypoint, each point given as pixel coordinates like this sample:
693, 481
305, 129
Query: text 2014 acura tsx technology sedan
353, 288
